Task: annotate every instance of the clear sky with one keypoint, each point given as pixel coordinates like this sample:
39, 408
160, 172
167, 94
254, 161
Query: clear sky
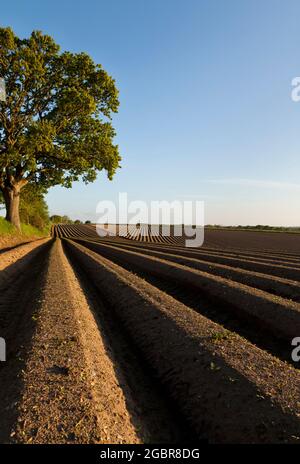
205, 91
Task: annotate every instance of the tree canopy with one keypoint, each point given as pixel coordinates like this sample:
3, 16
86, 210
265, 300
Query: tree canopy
33, 207
55, 125
56, 219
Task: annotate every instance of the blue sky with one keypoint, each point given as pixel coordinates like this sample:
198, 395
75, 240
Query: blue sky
205, 91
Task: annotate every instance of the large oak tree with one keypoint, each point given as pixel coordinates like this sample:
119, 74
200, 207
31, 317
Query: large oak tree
55, 125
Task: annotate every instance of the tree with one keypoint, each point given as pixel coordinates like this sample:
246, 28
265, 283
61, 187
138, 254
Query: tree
55, 219
66, 220
33, 207
55, 125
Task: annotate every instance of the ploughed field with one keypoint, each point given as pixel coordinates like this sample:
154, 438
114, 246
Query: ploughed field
135, 338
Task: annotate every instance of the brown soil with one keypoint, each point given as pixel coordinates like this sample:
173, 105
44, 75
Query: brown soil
11, 256
271, 241
7, 242
138, 339
280, 315
63, 381
190, 358
215, 238
70, 393
279, 286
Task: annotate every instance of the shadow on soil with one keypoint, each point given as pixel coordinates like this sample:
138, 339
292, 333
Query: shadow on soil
19, 307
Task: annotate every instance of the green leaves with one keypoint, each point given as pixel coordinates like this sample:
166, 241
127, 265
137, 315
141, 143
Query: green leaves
55, 124
33, 208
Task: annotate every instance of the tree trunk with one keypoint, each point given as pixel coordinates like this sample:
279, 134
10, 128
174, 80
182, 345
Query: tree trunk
12, 200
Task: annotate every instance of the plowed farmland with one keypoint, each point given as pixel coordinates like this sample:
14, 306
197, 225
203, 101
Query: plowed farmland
134, 338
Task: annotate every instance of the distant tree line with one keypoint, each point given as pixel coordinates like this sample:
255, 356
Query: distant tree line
256, 227
57, 219
33, 207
